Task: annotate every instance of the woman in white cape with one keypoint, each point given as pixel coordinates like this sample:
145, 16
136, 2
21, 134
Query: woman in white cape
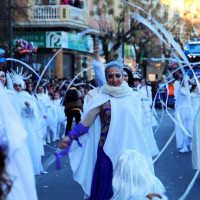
112, 125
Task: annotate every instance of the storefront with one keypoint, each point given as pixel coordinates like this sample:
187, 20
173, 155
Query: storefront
75, 55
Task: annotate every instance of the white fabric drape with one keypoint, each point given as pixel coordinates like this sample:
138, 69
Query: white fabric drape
19, 165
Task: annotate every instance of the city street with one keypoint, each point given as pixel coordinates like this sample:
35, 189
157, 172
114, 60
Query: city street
58, 55
174, 169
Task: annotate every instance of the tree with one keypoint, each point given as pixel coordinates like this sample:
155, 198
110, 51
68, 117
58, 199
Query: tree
19, 11
125, 29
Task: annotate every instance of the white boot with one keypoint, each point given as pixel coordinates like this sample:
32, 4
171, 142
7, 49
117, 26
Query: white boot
184, 149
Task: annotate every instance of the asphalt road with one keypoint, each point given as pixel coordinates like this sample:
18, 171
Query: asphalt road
174, 169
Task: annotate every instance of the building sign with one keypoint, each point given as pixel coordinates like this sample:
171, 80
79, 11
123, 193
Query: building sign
59, 39
38, 38
80, 43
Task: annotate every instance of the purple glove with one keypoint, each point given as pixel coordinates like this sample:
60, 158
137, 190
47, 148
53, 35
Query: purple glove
78, 130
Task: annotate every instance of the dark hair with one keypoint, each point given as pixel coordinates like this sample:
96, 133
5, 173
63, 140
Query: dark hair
5, 182
193, 88
145, 80
50, 94
72, 95
128, 70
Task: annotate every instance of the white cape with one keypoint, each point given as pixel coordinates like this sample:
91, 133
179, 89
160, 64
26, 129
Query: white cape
19, 165
124, 133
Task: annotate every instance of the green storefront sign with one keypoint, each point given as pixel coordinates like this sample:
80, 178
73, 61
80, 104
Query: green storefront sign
58, 39
38, 38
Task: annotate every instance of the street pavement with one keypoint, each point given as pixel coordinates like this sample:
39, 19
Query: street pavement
174, 169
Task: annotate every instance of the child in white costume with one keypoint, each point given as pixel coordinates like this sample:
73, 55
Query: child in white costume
61, 123
133, 179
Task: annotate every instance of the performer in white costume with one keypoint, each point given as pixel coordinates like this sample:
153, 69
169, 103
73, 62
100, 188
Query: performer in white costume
61, 123
196, 128
116, 128
184, 117
18, 163
28, 112
51, 115
132, 179
146, 102
11, 94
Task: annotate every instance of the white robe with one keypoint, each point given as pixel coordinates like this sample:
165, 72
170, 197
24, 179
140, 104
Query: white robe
147, 119
19, 165
52, 118
196, 134
61, 123
184, 117
29, 119
124, 133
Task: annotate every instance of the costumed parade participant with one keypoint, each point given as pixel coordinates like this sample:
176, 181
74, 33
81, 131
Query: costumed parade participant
184, 117
28, 112
146, 102
6, 82
116, 125
196, 128
61, 124
16, 173
132, 179
50, 113
100, 75
128, 76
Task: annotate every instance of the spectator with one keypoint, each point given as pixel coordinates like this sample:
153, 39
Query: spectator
171, 100
77, 3
65, 2
73, 106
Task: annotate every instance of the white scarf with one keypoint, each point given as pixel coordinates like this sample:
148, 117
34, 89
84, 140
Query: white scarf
120, 91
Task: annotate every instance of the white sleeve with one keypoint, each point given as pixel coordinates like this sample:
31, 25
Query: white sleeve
99, 72
150, 95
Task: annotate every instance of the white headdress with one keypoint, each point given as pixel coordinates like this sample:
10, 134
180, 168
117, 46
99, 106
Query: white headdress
18, 77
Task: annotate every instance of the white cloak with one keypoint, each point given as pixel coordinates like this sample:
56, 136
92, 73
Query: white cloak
124, 133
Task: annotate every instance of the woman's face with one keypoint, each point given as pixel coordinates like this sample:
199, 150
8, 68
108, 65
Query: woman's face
40, 90
142, 82
136, 83
29, 87
125, 76
114, 77
56, 95
3, 78
17, 87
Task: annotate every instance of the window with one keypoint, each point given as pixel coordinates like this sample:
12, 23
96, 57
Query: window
38, 2
52, 2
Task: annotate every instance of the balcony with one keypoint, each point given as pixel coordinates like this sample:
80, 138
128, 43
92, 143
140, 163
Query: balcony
57, 14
